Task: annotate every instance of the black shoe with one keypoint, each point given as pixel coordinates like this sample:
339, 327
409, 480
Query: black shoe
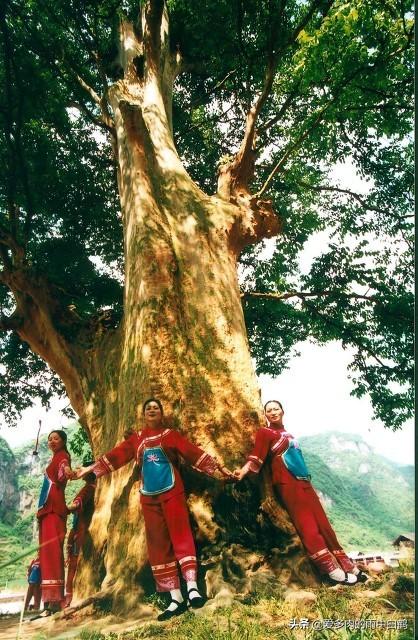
345, 581
362, 577
167, 614
197, 602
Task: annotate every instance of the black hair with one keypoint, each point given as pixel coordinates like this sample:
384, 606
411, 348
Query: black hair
144, 406
279, 403
63, 437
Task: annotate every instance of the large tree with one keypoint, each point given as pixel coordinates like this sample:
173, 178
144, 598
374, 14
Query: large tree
146, 152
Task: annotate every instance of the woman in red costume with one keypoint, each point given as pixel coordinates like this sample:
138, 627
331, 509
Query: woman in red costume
291, 481
52, 517
157, 451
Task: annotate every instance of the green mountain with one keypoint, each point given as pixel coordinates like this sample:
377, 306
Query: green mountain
369, 499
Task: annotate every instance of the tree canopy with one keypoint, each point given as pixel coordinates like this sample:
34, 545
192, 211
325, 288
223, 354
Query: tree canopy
315, 84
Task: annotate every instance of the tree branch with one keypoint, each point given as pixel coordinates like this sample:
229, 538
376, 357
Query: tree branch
10, 323
294, 147
39, 320
294, 93
380, 107
283, 109
302, 295
98, 122
152, 22
305, 295
346, 331
299, 141
337, 92
203, 99
302, 24
238, 174
352, 194
8, 240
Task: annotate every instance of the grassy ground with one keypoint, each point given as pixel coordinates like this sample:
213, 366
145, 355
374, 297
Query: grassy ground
386, 600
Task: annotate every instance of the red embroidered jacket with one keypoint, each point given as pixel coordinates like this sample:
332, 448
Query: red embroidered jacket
83, 513
175, 446
56, 497
269, 445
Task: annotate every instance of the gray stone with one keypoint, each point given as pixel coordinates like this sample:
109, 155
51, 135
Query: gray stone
300, 597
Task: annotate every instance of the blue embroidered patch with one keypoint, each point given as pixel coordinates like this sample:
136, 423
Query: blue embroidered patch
157, 472
43, 496
294, 462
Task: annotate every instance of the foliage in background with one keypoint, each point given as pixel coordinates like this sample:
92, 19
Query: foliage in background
341, 93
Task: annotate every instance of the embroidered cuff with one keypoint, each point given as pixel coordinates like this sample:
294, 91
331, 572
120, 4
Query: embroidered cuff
102, 467
255, 463
61, 470
206, 464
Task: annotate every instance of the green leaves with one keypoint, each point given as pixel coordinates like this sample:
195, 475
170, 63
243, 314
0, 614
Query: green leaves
340, 98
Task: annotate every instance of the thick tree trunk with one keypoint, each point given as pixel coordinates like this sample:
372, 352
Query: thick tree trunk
182, 339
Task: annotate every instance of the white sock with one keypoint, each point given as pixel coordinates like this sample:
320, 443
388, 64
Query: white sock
356, 571
175, 595
339, 575
192, 584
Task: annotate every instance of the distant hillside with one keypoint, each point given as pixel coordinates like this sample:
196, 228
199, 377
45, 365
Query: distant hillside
369, 499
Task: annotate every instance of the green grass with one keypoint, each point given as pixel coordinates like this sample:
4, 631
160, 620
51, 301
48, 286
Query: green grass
269, 617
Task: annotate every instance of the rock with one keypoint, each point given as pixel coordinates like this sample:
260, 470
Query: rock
325, 500
300, 597
9, 494
224, 598
216, 587
376, 567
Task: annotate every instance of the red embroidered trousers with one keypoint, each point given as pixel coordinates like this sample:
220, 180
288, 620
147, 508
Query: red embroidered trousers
51, 540
170, 541
313, 527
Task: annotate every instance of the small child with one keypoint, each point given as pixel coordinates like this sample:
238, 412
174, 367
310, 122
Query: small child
82, 508
34, 586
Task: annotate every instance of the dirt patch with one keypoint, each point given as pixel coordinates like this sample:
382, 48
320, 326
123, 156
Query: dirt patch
59, 628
